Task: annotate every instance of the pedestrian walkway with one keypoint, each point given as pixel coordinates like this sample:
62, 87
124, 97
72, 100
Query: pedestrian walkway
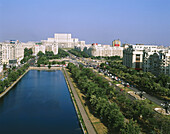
88, 124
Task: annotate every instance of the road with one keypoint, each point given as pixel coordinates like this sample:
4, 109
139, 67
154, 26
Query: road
149, 97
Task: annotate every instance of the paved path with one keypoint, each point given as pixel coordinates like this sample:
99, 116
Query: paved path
86, 120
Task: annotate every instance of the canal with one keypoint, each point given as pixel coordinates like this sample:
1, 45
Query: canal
39, 103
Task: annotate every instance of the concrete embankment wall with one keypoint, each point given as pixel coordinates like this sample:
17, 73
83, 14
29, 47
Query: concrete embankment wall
45, 68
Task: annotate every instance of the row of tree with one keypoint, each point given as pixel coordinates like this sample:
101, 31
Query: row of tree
13, 75
137, 110
107, 57
92, 84
96, 95
44, 58
146, 81
80, 53
27, 55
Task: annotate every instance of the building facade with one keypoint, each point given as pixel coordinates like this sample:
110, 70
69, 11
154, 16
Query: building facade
157, 62
64, 41
11, 53
147, 58
96, 49
105, 50
116, 43
37, 48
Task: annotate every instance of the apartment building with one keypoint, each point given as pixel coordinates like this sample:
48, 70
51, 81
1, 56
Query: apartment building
38, 47
96, 49
157, 62
148, 58
105, 50
11, 53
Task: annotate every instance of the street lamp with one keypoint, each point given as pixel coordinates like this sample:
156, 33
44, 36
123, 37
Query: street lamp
166, 106
141, 94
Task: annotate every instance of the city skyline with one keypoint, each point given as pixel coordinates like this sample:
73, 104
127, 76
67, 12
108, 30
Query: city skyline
97, 21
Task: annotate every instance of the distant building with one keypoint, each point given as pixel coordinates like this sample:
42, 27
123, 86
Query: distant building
105, 50
83, 47
116, 43
64, 41
37, 48
96, 49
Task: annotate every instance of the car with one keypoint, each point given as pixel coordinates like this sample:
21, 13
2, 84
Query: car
127, 84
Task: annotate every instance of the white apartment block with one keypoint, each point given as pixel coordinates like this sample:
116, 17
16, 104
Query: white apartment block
102, 50
0, 54
28, 44
106, 50
83, 47
51, 47
157, 62
64, 41
11, 53
36, 48
149, 58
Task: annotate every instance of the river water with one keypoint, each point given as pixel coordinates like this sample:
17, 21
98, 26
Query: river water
39, 103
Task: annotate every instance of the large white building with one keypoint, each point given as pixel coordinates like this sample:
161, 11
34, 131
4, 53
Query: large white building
147, 58
38, 47
11, 53
64, 41
102, 50
105, 50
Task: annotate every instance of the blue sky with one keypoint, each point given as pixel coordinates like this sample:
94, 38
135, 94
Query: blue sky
100, 21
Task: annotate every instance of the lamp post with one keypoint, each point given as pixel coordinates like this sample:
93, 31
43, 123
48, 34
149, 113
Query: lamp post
140, 94
166, 106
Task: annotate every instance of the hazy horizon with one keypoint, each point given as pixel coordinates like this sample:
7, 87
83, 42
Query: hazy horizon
97, 21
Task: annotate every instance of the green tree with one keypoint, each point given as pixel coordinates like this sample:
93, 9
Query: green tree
4, 66
130, 128
49, 65
54, 62
6, 83
40, 53
38, 65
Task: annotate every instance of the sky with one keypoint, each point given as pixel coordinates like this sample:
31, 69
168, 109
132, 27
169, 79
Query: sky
94, 21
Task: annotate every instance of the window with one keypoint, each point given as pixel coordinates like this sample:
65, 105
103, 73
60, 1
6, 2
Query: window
137, 57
